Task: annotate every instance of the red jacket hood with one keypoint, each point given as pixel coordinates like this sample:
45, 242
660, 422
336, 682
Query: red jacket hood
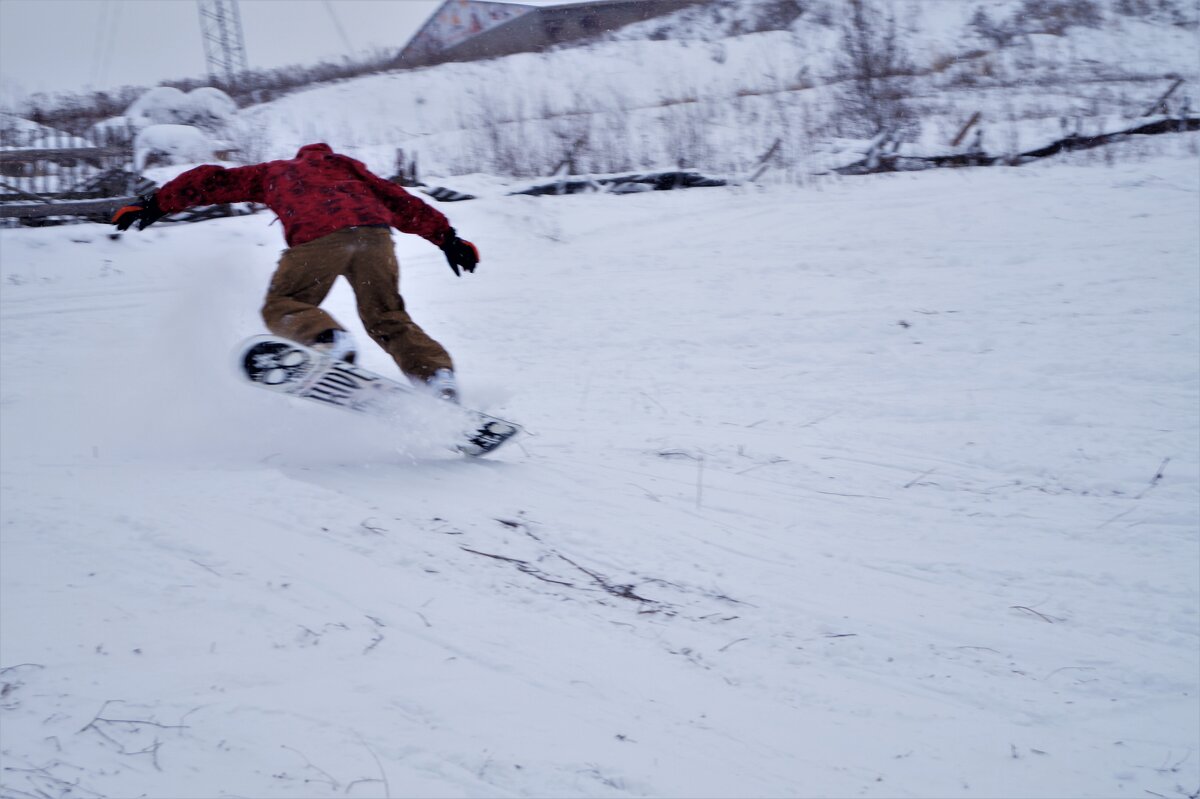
320, 147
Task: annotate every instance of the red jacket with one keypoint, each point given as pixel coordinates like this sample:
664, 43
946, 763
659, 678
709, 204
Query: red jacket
314, 194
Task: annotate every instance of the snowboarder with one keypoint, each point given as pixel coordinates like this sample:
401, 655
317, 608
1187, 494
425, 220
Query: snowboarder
336, 217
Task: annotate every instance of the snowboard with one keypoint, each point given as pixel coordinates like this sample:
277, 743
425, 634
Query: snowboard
283, 366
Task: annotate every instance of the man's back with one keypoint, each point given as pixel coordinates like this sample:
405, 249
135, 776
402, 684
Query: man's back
314, 194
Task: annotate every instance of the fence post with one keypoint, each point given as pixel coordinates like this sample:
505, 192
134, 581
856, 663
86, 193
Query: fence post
1160, 105
963, 132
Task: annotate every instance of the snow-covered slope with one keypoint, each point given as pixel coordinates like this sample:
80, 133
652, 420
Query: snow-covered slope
685, 90
881, 487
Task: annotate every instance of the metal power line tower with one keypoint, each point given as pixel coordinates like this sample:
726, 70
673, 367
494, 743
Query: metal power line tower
224, 47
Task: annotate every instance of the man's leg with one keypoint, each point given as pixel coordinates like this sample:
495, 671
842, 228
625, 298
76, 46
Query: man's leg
375, 276
301, 282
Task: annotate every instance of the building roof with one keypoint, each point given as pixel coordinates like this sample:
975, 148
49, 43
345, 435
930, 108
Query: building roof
467, 30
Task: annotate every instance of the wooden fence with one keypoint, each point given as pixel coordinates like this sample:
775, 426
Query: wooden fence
50, 176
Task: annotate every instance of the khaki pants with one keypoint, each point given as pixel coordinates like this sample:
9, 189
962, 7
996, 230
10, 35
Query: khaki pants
364, 256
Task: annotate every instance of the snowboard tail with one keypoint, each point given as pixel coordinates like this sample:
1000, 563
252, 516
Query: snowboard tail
283, 366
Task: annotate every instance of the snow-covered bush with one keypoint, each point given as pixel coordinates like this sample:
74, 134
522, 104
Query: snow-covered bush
162, 105
170, 144
204, 107
174, 127
211, 109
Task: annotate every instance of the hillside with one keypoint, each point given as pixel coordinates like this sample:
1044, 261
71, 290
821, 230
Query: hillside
696, 89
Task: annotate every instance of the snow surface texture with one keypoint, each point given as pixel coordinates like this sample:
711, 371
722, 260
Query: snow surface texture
879, 487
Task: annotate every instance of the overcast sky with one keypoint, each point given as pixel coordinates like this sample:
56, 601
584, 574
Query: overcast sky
73, 45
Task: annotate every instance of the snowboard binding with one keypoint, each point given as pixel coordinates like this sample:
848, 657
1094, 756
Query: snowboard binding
275, 364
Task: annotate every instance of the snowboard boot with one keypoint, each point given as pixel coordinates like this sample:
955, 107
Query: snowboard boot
338, 343
443, 385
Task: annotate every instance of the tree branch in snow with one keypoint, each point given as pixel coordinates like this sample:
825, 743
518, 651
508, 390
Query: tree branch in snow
679, 453
98, 718
1168, 767
773, 461
1041, 616
522, 566
920, 476
7, 669
17, 792
1114, 518
151, 750
329, 779
1068, 668
820, 419
376, 641
1162, 467
623, 591
371, 528
205, 566
350, 785
522, 526
387, 790
63, 787
9, 687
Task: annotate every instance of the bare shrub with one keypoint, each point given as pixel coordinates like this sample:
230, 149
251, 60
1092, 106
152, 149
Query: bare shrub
1055, 16
571, 138
686, 128
1175, 12
821, 12
875, 70
999, 32
76, 112
250, 140
498, 128
777, 15
1043, 16
1134, 8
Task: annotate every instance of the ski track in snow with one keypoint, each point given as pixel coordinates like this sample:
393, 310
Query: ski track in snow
880, 487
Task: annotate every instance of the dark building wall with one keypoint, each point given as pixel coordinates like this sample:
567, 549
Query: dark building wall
521, 35
534, 30
568, 23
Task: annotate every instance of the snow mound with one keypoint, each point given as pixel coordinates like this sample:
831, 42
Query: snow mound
170, 144
163, 105
211, 107
205, 107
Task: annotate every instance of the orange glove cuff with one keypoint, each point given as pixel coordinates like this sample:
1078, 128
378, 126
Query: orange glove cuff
126, 210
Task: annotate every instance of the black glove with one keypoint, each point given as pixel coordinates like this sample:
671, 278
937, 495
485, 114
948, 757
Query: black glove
145, 212
460, 252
